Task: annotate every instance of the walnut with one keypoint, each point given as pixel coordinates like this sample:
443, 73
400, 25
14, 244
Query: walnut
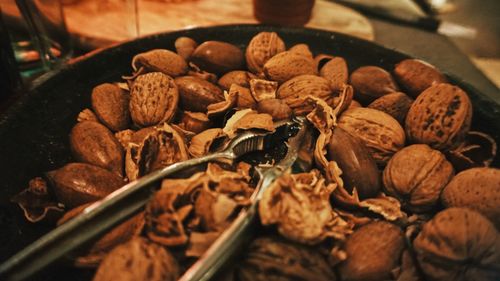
382, 134
295, 91
459, 244
273, 259
440, 117
373, 251
477, 189
153, 99
261, 48
138, 259
416, 175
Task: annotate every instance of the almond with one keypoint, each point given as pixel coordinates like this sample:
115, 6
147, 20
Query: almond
286, 65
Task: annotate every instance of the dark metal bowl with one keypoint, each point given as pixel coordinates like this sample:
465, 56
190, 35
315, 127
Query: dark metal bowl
34, 131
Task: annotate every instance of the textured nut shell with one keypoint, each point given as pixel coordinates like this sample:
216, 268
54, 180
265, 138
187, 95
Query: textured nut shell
358, 167
373, 251
93, 143
161, 60
371, 82
110, 104
382, 134
295, 91
197, 94
416, 76
153, 99
261, 48
302, 49
416, 175
439, 117
286, 65
459, 244
477, 189
138, 259
335, 71
78, 183
218, 57
395, 104
238, 77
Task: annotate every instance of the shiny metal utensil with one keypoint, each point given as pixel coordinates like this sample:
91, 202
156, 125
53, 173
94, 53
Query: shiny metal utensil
121, 204
241, 229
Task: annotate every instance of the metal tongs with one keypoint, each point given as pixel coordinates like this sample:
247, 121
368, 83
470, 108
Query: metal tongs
243, 227
131, 198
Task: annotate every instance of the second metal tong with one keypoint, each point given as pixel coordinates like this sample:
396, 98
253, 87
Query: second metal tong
125, 202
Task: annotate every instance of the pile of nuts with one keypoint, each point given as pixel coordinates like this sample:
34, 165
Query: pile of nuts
401, 188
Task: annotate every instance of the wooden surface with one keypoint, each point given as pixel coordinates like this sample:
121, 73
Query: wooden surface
98, 23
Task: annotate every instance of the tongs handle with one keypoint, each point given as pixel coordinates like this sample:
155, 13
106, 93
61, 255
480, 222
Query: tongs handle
95, 220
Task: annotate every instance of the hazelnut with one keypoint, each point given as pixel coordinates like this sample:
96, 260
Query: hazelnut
238, 77
185, 47
416, 175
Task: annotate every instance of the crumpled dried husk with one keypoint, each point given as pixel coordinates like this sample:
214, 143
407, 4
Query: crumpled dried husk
124, 137
87, 115
205, 202
248, 119
200, 242
36, 203
300, 208
161, 147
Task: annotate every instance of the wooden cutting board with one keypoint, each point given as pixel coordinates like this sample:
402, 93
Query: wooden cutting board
99, 23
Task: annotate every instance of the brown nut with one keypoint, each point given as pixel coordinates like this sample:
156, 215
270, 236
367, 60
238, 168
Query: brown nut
238, 77
138, 259
78, 183
359, 170
93, 143
335, 71
295, 91
459, 244
382, 134
261, 48
395, 104
373, 251
371, 82
477, 189
440, 117
302, 49
110, 104
218, 57
416, 175
277, 108
415, 76
160, 60
197, 94
185, 47
286, 65
153, 99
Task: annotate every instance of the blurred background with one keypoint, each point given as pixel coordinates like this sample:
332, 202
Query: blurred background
459, 36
